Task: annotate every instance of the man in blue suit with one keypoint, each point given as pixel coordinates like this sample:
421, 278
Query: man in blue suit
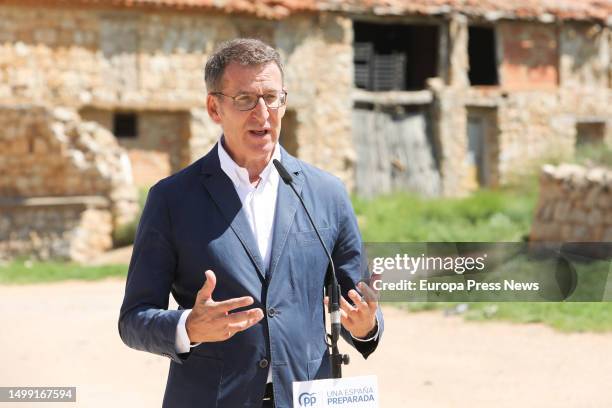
236, 250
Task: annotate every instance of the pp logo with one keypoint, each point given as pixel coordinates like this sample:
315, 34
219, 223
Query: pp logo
307, 400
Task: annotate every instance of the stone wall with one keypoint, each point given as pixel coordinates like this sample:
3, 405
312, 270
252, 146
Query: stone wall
64, 184
585, 56
152, 61
449, 117
575, 204
447, 108
319, 76
533, 128
72, 228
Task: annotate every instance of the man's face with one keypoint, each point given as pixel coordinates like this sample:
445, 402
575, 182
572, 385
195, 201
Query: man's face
250, 136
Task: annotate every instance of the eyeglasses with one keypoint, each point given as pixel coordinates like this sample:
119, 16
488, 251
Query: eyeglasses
246, 101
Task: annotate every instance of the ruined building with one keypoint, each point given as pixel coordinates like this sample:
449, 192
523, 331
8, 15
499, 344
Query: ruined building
434, 96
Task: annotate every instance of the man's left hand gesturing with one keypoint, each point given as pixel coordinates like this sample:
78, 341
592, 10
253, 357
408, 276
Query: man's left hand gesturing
360, 317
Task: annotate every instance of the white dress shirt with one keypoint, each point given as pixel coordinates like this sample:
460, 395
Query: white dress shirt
259, 204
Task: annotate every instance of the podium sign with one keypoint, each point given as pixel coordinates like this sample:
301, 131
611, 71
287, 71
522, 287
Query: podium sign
354, 392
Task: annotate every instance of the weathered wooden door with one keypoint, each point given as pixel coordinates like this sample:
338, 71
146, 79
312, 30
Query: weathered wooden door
394, 152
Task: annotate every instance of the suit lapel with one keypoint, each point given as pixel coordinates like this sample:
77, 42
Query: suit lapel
286, 206
224, 195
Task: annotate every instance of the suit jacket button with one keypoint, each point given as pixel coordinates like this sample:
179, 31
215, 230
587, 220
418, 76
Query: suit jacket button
263, 363
271, 312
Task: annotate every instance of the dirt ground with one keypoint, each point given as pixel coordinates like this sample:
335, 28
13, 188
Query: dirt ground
65, 334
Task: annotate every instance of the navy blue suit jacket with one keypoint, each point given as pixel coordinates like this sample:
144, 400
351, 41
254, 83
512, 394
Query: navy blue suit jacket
193, 221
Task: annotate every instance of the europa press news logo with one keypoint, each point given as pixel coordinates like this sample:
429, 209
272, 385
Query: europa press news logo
307, 399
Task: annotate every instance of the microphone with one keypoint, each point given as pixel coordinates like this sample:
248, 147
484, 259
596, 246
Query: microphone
337, 359
284, 174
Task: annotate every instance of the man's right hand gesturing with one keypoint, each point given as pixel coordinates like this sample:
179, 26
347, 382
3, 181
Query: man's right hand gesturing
212, 321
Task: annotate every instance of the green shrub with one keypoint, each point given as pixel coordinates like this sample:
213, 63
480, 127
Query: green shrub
486, 215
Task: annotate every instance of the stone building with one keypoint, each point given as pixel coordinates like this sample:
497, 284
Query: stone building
434, 96
575, 205
514, 83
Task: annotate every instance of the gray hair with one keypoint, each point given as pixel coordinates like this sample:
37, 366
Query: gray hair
244, 51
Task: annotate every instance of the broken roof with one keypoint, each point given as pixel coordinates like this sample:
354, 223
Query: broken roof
543, 10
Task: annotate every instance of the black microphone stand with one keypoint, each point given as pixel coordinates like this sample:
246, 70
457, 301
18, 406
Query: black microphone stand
333, 291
